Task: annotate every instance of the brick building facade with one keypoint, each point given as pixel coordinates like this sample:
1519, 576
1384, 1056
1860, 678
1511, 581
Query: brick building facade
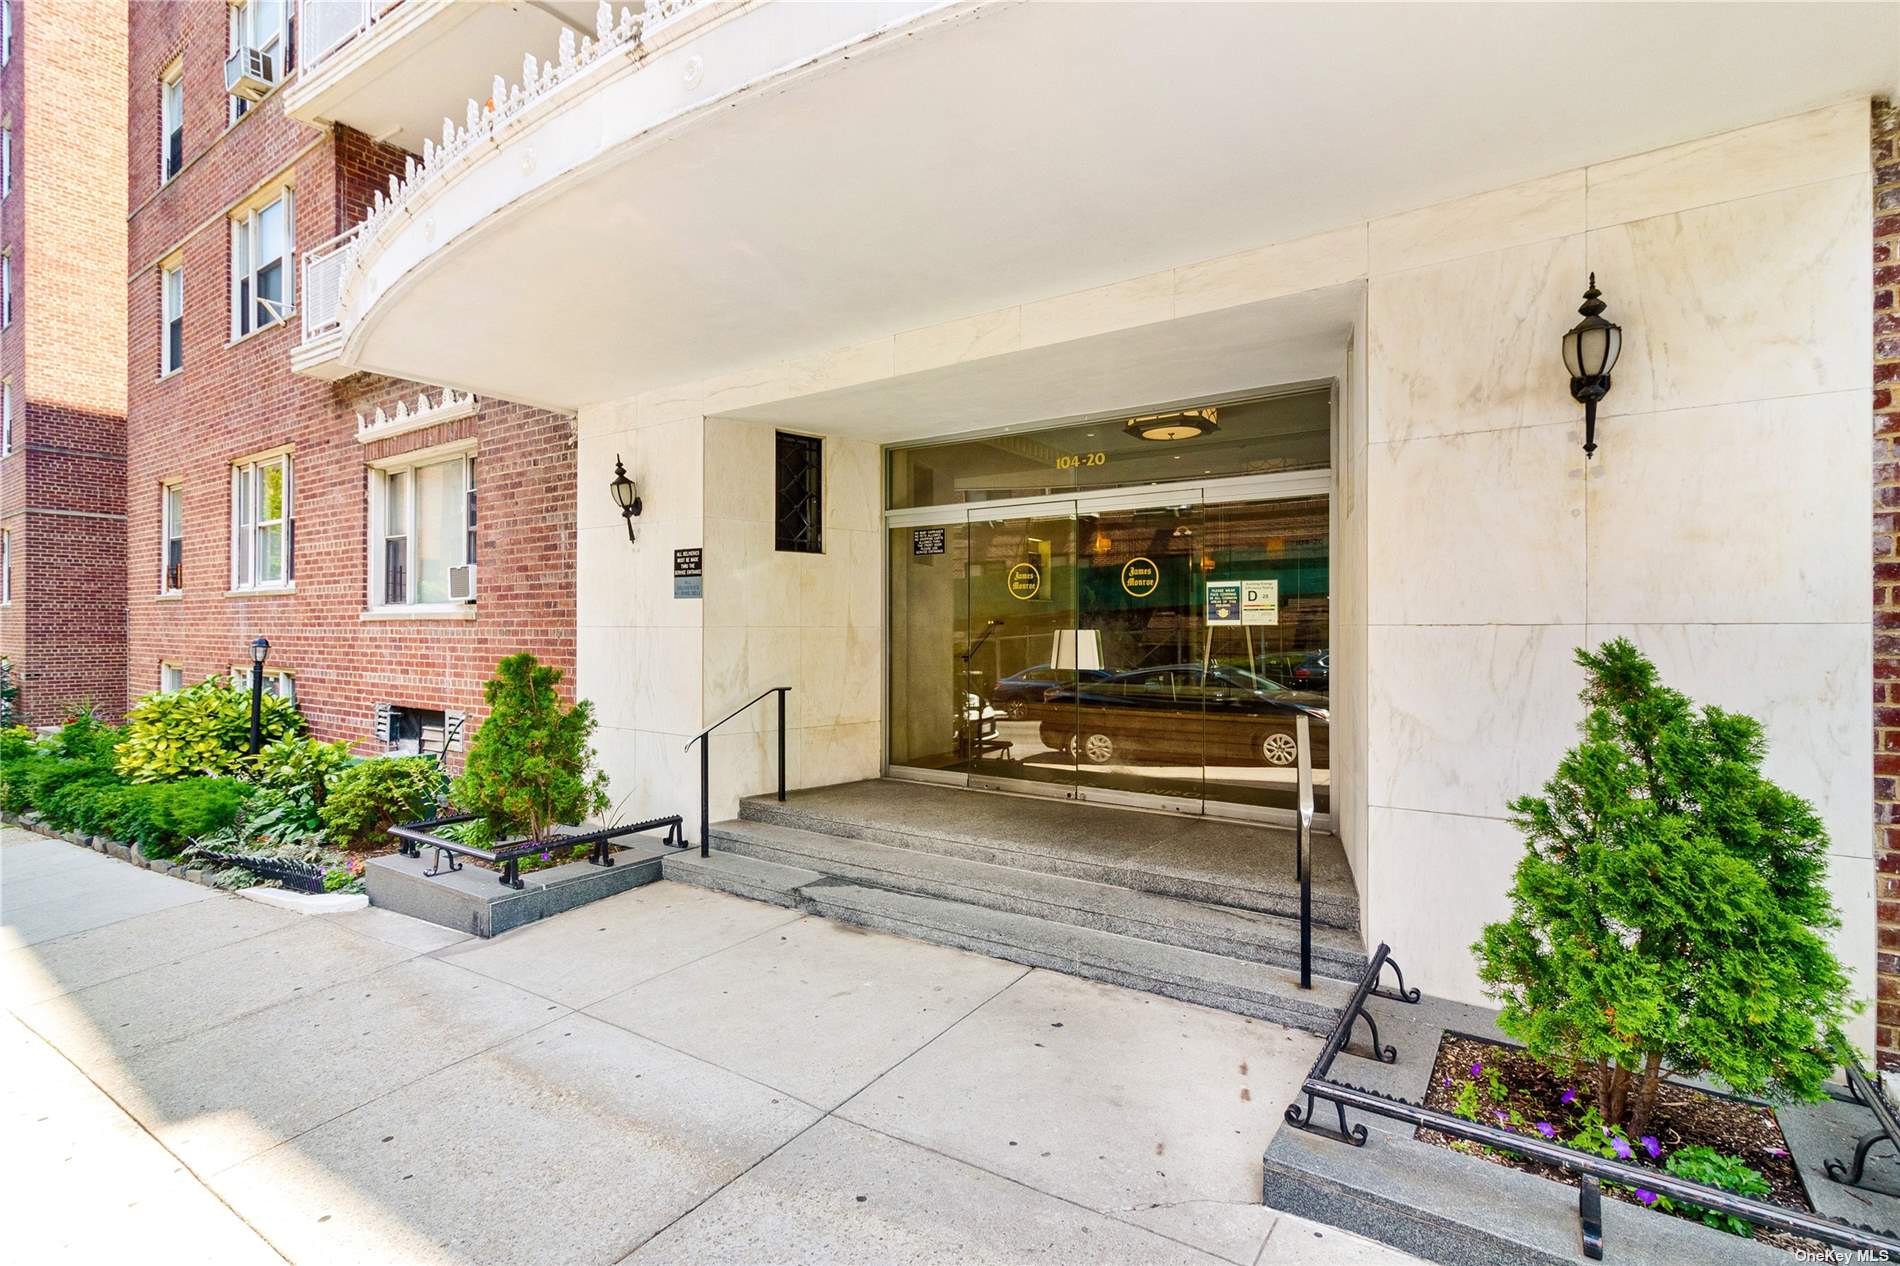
1886, 431
195, 428
62, 361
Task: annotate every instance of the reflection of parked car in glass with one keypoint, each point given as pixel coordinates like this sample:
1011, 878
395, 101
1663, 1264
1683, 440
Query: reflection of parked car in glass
1312, 672
1014, 694
1174, 715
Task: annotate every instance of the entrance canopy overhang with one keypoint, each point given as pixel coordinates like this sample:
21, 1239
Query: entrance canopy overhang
773, 180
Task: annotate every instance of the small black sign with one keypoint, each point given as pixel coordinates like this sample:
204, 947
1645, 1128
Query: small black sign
926, 541
686, 562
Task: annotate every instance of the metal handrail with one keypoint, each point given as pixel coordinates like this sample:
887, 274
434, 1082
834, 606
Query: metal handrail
704, 737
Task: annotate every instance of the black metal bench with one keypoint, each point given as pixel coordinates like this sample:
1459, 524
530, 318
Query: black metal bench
1869, 1096
415, 836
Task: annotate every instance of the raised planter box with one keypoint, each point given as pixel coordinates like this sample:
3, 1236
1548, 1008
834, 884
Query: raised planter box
471, 900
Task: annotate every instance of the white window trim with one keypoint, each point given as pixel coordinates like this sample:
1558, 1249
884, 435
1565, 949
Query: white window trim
165, 670
165, 526
6, 416
243, 482
378, 474
6, 32
6, 288
280, 682
6, 567
6, 160
240, 30
166, 273
244, 234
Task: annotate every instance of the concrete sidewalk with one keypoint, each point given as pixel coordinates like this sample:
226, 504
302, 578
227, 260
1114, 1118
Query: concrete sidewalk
672, 1075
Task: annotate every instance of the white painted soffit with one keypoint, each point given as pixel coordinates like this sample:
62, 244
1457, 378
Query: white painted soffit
980, 156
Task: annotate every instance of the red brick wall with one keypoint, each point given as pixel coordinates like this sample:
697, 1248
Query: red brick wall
64, 224
231, 400
1886, 348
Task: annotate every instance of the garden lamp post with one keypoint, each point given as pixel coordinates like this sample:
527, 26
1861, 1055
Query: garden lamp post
260, 651
1590, 351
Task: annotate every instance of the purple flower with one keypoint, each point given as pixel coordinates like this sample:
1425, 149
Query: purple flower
1651, 1146
1621, 1148
1570, 1097
1646, 1196
1776, 1151
1477, 1070
1499, 1113
544, 857
1446, 1081
1546, 1129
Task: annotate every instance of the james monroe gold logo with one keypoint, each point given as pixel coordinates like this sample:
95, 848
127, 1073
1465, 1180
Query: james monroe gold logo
1025, 581
1140, 577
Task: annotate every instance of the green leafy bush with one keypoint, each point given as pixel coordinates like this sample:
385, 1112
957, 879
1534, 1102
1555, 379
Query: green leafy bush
530, 768
1670, 912
202, 730
1718, 1169
16, 740
300, 766
367, 798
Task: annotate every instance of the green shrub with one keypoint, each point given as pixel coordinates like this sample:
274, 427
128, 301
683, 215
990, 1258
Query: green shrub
162, 818
1671, 909
530, 768
300, 766
367, 798
16, 741
202, 730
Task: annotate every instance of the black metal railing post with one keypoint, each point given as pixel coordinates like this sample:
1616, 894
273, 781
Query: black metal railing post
705, 778
782, 692
1303, 841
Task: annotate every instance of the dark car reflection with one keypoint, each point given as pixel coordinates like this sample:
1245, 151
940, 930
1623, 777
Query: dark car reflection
1176, 715
1015, 694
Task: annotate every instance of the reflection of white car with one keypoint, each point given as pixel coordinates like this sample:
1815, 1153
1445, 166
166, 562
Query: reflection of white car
977, 726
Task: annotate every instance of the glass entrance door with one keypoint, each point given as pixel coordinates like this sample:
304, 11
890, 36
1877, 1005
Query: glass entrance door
1146, 647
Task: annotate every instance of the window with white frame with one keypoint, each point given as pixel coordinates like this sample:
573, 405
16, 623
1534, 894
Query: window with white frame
6, 416
171, 559
171, 678
171, 115
281, 682
172, 316
262, 26
6, 288
263, 533
6, 567
422, 514
6, 159
260, 265
6, 31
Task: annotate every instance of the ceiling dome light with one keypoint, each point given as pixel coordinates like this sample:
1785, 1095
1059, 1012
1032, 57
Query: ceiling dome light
1186, 424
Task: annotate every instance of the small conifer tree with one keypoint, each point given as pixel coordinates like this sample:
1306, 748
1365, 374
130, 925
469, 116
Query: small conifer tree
530, 767
1670, 913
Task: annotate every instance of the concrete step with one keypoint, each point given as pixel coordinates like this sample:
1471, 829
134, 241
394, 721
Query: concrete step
739, 875
1242, 934
1254, 989
1235, 865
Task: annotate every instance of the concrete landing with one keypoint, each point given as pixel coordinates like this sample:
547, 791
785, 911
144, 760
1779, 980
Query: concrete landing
1225, 863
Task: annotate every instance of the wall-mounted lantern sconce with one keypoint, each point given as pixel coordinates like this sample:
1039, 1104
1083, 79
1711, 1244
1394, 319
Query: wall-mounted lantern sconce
1590, 351
626, 496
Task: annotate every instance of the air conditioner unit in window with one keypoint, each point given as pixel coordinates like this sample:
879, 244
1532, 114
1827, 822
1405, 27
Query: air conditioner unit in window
250, 73
462, 583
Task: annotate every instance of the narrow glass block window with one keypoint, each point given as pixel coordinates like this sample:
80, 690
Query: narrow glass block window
172, 315
172, 556
798, 513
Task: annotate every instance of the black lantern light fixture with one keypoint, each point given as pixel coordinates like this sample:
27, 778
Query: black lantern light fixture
1590, 351
626, 496
1186, 424
260, 651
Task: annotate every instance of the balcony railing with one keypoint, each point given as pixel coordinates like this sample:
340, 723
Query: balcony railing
323, 269
324, 26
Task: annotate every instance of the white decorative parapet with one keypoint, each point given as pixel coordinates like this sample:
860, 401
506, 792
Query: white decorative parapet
323, 26
503, 103
444, 408
322, 292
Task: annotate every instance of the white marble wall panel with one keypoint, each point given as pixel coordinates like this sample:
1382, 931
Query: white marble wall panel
1747, 300
1783, 154
1851, 881
1751, 513
1471, 345
1463, 718
1482, 528
1518, 215
1437, 880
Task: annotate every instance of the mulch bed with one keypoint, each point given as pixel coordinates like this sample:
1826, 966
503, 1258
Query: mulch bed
1683, 1116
